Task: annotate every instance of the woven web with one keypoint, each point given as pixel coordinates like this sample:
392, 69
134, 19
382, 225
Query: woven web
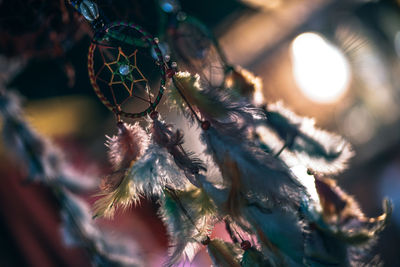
126, 73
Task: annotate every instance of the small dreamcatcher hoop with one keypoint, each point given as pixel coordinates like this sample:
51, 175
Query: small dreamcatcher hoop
115, 74
197, 50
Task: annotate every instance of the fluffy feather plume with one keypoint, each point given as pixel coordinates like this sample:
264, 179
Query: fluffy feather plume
223, 254
213, 105
341, 234
319, 150
155, 170
128, 145
256, 171
117, 188
343, 217
165, 137
189, 217
147, 176
124, 195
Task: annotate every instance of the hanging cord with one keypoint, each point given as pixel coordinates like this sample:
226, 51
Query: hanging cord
178, 87
205, 125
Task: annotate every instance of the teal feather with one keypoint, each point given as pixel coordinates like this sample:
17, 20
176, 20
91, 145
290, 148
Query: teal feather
254, 258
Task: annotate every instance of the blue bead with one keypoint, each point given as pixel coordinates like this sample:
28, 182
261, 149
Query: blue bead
124, 69
169, 6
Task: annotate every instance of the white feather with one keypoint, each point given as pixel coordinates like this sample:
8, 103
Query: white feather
154, 170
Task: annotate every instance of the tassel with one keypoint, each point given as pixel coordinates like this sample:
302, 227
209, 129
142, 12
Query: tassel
223, 254
318, 150
188, 216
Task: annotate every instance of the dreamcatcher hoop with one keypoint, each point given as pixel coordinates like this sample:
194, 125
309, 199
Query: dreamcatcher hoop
152, 43
193, 25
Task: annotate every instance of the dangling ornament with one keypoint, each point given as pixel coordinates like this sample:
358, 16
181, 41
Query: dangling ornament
122, 71
193, 45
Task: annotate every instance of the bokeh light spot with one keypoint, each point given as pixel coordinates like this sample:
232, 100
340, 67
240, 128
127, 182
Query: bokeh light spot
320, 69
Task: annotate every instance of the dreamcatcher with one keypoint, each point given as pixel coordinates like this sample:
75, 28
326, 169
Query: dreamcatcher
122, 70
193, 45
250, 188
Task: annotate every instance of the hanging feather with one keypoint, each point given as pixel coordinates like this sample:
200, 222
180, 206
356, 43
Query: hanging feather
128, 145
117, 189
165, 137
147, 176
154, 170
279, 232
123, 196
47, 165
342, 216
223, 254
189, 217
213, 105
256, 171
340, 233
316, 149
227, 142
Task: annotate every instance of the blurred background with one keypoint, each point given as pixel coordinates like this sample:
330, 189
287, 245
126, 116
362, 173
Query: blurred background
337, 61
